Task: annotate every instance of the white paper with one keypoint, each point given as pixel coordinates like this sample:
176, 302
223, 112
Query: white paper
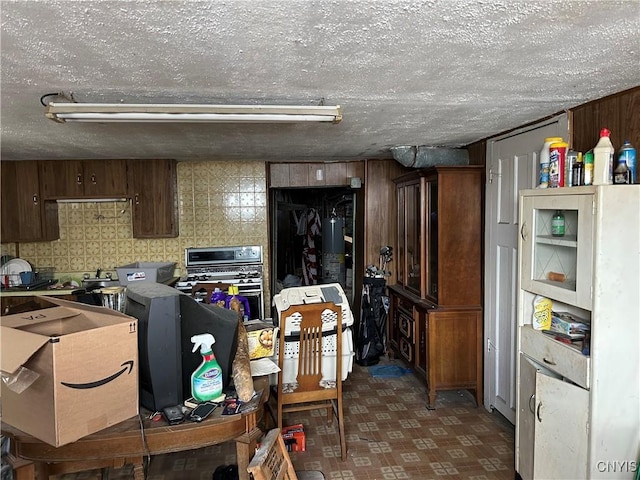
263, 366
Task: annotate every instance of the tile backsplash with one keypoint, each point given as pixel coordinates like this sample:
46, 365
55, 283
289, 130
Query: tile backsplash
220, 203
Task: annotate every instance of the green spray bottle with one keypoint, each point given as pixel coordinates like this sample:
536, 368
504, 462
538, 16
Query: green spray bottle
206, 380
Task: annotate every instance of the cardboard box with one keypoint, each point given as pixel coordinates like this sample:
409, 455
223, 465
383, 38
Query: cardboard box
85, 360
294, 438
262, 337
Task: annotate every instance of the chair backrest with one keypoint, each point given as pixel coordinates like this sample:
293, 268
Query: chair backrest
208, 288
312, 322
272, 461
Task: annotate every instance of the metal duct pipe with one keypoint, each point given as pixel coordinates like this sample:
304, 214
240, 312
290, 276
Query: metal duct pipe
419, 156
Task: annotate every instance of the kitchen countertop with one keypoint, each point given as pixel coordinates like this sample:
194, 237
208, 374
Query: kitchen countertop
37, 293
18, 292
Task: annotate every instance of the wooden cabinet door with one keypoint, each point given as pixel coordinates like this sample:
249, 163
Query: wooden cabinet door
25, 216
105, 178
561, 430
78, 179
152, 187
422, 335
62, 179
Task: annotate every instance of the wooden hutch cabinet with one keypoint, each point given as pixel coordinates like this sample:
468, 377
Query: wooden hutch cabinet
436, 304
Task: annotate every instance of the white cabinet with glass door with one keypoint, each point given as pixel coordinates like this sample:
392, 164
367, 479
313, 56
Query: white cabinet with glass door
578, 410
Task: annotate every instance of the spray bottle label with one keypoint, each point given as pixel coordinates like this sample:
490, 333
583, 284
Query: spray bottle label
207, 385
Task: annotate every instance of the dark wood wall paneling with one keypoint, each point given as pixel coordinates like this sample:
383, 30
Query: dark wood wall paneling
380, 209
619, 113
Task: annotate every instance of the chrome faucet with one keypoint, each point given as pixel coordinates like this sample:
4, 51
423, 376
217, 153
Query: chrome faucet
98, 272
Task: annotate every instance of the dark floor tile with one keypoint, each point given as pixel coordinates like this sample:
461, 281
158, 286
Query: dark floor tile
391, 435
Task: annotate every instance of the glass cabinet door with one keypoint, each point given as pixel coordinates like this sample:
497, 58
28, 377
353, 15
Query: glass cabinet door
432, 240
400, 263
413, 246
553, 265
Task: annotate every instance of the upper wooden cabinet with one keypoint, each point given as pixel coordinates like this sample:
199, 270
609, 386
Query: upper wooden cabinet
25, 216
75, 179
440, 235
282, 175
153, 190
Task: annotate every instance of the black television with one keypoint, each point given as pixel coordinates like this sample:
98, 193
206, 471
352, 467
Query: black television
167, 319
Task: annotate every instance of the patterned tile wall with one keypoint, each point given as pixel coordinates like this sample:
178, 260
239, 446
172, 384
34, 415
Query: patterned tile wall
220, 204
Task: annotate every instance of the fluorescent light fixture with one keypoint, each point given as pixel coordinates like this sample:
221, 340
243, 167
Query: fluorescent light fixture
174, 113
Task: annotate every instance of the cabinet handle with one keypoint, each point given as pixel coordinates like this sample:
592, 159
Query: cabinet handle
35, 198
523, 231
538, 412
93, 178
532, 402
137, 199
79, 179
547, 361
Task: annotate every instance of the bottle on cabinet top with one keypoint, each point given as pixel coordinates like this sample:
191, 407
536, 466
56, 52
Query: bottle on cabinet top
628, 154
588, 168
557, 160
544, 161
622, 174
603, 159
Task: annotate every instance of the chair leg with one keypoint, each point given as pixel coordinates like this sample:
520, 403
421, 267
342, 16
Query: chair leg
280, 415
343, 440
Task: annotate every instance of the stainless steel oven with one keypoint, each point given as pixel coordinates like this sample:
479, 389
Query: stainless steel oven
238, 265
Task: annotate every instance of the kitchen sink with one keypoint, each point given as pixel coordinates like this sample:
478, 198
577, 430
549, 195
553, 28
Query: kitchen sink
95, 283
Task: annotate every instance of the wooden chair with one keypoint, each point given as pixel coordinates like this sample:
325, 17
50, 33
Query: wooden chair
207, 289
310, 392
272, 461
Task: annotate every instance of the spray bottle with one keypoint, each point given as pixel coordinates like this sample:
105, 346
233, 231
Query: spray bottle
206, 380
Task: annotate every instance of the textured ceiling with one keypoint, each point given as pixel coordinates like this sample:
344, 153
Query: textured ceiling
439, 73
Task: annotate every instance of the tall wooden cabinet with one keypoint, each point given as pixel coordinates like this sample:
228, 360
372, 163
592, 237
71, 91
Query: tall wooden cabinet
578, 410
436, 304
26, 217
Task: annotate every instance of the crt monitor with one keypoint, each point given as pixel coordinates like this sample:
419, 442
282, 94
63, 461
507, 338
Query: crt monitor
200, 318
167, 319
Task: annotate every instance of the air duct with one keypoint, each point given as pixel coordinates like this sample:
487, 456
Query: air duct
420, 156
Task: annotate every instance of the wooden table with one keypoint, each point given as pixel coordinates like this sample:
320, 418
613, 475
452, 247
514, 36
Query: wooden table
129, 442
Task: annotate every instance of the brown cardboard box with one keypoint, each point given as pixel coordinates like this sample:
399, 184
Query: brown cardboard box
86, 361
262, 337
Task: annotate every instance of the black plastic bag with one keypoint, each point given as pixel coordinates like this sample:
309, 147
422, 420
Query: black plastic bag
226, 472
371, 338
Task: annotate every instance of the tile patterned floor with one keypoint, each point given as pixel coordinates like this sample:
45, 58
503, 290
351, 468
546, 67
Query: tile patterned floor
391, 435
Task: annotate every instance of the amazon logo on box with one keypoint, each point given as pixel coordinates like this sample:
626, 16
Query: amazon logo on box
73, 370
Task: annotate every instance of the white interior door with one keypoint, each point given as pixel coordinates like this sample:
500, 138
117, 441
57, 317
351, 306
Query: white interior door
512, 165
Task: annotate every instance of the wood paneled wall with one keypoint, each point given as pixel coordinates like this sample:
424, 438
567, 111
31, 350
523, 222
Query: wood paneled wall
381, 210
620, 113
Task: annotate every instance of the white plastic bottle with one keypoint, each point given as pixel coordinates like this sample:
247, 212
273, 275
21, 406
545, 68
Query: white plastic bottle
544, 161
603, 159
